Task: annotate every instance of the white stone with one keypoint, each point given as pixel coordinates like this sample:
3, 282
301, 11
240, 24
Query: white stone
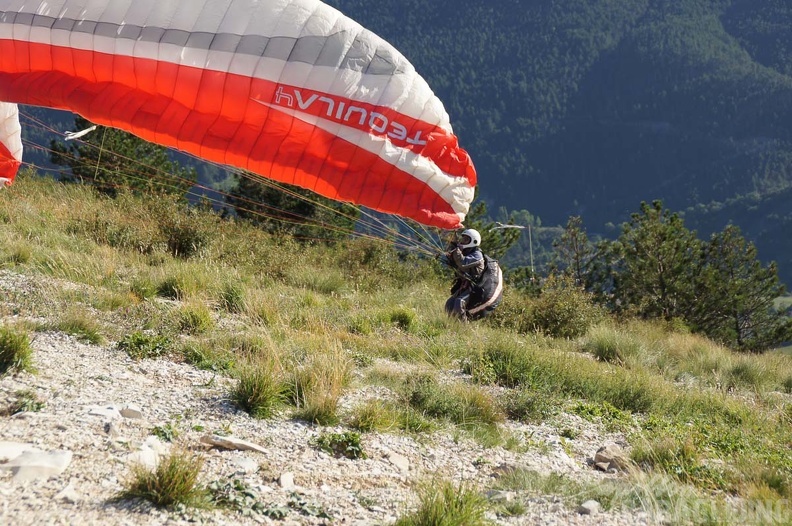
34, 465
146, 457
155, 444
132, 412
11, 450
247, 465
400, 461
286, 480
68, 494
231, 443
108, 411
590, 507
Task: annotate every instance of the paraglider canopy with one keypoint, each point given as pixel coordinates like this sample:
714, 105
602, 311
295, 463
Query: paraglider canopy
289, 89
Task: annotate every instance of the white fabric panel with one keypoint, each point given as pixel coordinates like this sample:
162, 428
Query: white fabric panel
211, 15
266, 20
292, 18
10, 131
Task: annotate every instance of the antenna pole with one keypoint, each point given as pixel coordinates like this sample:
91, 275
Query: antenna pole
530, 247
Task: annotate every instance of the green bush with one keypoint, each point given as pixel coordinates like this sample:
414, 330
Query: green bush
676, 456
195, 319
19, 254
188, 231
204, 355
140, 345
15, 351
345, 444
527, 406
26, 401
316, 385
143, 287
460, 404
403, 318
787, 385
563, 309
79, 324
172, 288
611, 345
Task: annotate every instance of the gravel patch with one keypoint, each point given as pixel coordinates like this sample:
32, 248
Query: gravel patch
102, 408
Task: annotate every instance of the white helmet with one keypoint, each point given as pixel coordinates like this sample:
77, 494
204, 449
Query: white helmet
474, 238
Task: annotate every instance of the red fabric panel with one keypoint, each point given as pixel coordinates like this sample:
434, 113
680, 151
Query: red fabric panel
211, 114
8, 164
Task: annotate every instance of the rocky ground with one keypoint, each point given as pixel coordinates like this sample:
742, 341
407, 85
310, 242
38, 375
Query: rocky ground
102, 411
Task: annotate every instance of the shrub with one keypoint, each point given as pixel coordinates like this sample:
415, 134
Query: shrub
461, 404
505, 363
140, 345
167, 432
195, 318
345, 444
376, 415
441, 503
143, 288
678, 457
610, 345
15, 351
563, 309
384, 416
610, 416
174, 481
26, 401
527, 406
205, 356
19, 254
172, 288
403, 318
787, 385
325, 282
747, 373
80, 325
188, 231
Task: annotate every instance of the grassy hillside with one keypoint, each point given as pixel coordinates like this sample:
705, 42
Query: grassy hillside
708, 430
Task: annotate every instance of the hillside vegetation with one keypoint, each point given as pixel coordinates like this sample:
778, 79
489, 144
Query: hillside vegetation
588, 108
708, 429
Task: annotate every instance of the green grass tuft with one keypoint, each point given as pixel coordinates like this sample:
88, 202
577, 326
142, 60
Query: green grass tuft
259, 389
15, 351
441, 503
173, 481
81, 325
195, 318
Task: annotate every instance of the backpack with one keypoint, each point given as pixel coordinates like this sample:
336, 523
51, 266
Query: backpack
488, 290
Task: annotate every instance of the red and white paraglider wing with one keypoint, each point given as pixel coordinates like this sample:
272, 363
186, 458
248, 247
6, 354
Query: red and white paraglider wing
10, 142
290, 89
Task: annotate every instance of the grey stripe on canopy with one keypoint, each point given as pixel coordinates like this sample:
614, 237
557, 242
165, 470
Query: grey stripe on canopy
314, 50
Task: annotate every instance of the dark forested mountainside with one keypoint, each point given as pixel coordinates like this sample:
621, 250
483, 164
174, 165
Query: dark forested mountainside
574, 107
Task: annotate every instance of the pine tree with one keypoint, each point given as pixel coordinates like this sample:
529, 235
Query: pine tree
291, 210
656, 262
736, 295
112, 159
